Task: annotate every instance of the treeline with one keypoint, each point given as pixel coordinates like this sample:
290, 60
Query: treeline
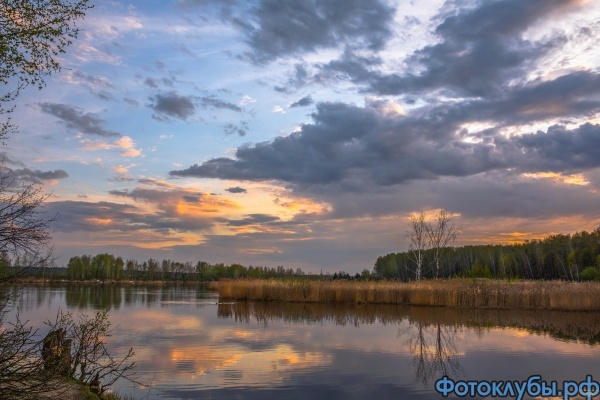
569, 257
108, 267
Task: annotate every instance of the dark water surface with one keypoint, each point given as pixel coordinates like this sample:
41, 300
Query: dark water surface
188, 346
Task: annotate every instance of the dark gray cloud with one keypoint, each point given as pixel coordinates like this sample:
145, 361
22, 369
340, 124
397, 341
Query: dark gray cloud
355, 147
303, 102
192, 198
240, 130
37, 176
76, 119
236, 189
301, 77
481, 49
560, 149
172, 104
214, 102
26, 175
82, 216
280, 28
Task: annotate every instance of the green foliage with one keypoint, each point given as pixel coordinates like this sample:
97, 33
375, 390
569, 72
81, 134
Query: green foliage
555, 257
479, 270
590, 274
109, 267
33, 36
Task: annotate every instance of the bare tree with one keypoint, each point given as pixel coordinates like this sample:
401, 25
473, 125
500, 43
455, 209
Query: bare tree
22, 372
418, 241
441, 234
88, 358
24, 227
25, 235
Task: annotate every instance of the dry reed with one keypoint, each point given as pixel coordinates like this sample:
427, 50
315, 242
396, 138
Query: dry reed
461, 293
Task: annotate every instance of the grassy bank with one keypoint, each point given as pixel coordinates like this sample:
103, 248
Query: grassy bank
469, 293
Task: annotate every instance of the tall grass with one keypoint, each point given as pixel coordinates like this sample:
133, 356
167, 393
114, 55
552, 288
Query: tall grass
468, 293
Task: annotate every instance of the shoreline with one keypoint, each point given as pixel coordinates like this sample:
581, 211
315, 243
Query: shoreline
108, 282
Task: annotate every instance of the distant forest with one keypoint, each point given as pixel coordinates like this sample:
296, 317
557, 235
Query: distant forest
568, 257
573, 257
107, 266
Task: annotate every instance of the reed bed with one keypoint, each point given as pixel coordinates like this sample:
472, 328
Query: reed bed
460, 293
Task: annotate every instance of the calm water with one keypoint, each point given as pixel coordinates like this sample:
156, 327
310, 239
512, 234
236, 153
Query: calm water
187, 346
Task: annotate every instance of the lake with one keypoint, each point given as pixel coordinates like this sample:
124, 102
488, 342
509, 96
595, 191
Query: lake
189, 346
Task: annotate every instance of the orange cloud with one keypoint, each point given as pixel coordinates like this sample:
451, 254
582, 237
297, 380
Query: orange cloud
125, 143
574, 179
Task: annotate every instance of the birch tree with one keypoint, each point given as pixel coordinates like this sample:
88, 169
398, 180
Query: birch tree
419, 242
441, 234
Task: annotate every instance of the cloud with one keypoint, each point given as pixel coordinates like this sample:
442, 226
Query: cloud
36, 176
6, 159
103, 95
75, 119
299, 78
80, 76
247, 100
158, 212
282, 28
252, 219
303, 102
172, 104
150, 82
131, 102
240, 130
236, 189
481, 50
354, 147
125, 144
214, 102
128, 147
179, 208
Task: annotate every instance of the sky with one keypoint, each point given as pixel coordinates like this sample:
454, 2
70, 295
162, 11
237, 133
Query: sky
306, 133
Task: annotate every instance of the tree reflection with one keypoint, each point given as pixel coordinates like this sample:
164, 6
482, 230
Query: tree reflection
435, 352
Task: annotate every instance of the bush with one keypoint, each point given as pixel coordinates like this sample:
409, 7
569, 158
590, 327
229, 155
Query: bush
590, 274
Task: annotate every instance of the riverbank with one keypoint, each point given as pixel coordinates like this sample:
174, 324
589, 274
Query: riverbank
74, 390
460, 293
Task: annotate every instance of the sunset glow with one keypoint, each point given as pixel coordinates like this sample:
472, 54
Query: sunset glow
198, 131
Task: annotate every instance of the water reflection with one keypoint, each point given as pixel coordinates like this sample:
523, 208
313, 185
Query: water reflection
577, 326
108, 297
190, 346
435, 351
